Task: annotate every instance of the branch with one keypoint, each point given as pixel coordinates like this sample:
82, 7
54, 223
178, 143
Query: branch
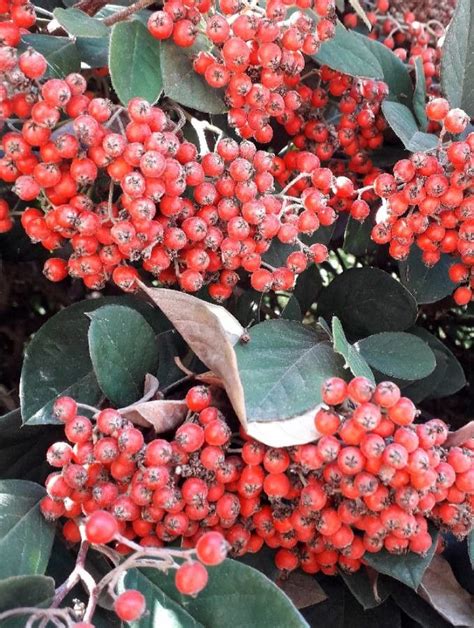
127, 12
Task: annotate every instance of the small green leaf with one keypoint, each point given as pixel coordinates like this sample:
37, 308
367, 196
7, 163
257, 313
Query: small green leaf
419, 95
60, 53
360, 12
24, 591
80, 24
457, 60
394, 71
183, 84
354, 360
307, 288
282, 357
419, 390
427, 284
346, 54
134, 62
398, 354
26, 537
407, 568
292, 310
234, 591
362, 588
405, 127
123, 350
367, 301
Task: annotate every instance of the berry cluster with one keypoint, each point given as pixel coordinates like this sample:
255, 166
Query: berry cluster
188, 220
428, 201
410, 32
258, 55
359, 126
373, 480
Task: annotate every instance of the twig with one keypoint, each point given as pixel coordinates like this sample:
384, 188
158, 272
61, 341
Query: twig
127, 12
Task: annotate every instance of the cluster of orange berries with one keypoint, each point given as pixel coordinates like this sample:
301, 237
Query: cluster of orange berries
373, 480
429, 201
359, 127
411, 34
258, 54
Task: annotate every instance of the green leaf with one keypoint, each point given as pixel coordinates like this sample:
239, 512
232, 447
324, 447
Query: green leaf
427, 284
134, 62
398, 354
394, 71
405, 127
361, 13
357, 240
183, 84
419, 390
470, 547
453, 378
354, 360
123, 350
307, 288
26, 537
80, 24
282, 357
24, 591
367, 301
362, 588
416, 607
419, 95
60, 53
57, 360
292, 310
235, 593
346, 54
23, 448
457, 60
407, 568
93, 51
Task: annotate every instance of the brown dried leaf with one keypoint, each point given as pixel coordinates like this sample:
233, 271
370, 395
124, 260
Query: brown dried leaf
461, 435
443, 592
162, 414
302, 589
210, 331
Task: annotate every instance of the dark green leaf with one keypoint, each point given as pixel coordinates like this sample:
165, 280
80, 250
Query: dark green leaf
60, 53
282, 357
423, 388
93, 51
427, 284
80, 24
394, 71
235, 592
405, 127
57, 360
398, 354
123, 350
407, 568
367, 301
419, 95
24, 591
183, 84
362, 588
454, 378
134, 62
354, 360
26, 537
346, 54
457, 60
357, 240
23, 448
307, 287
292, 310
